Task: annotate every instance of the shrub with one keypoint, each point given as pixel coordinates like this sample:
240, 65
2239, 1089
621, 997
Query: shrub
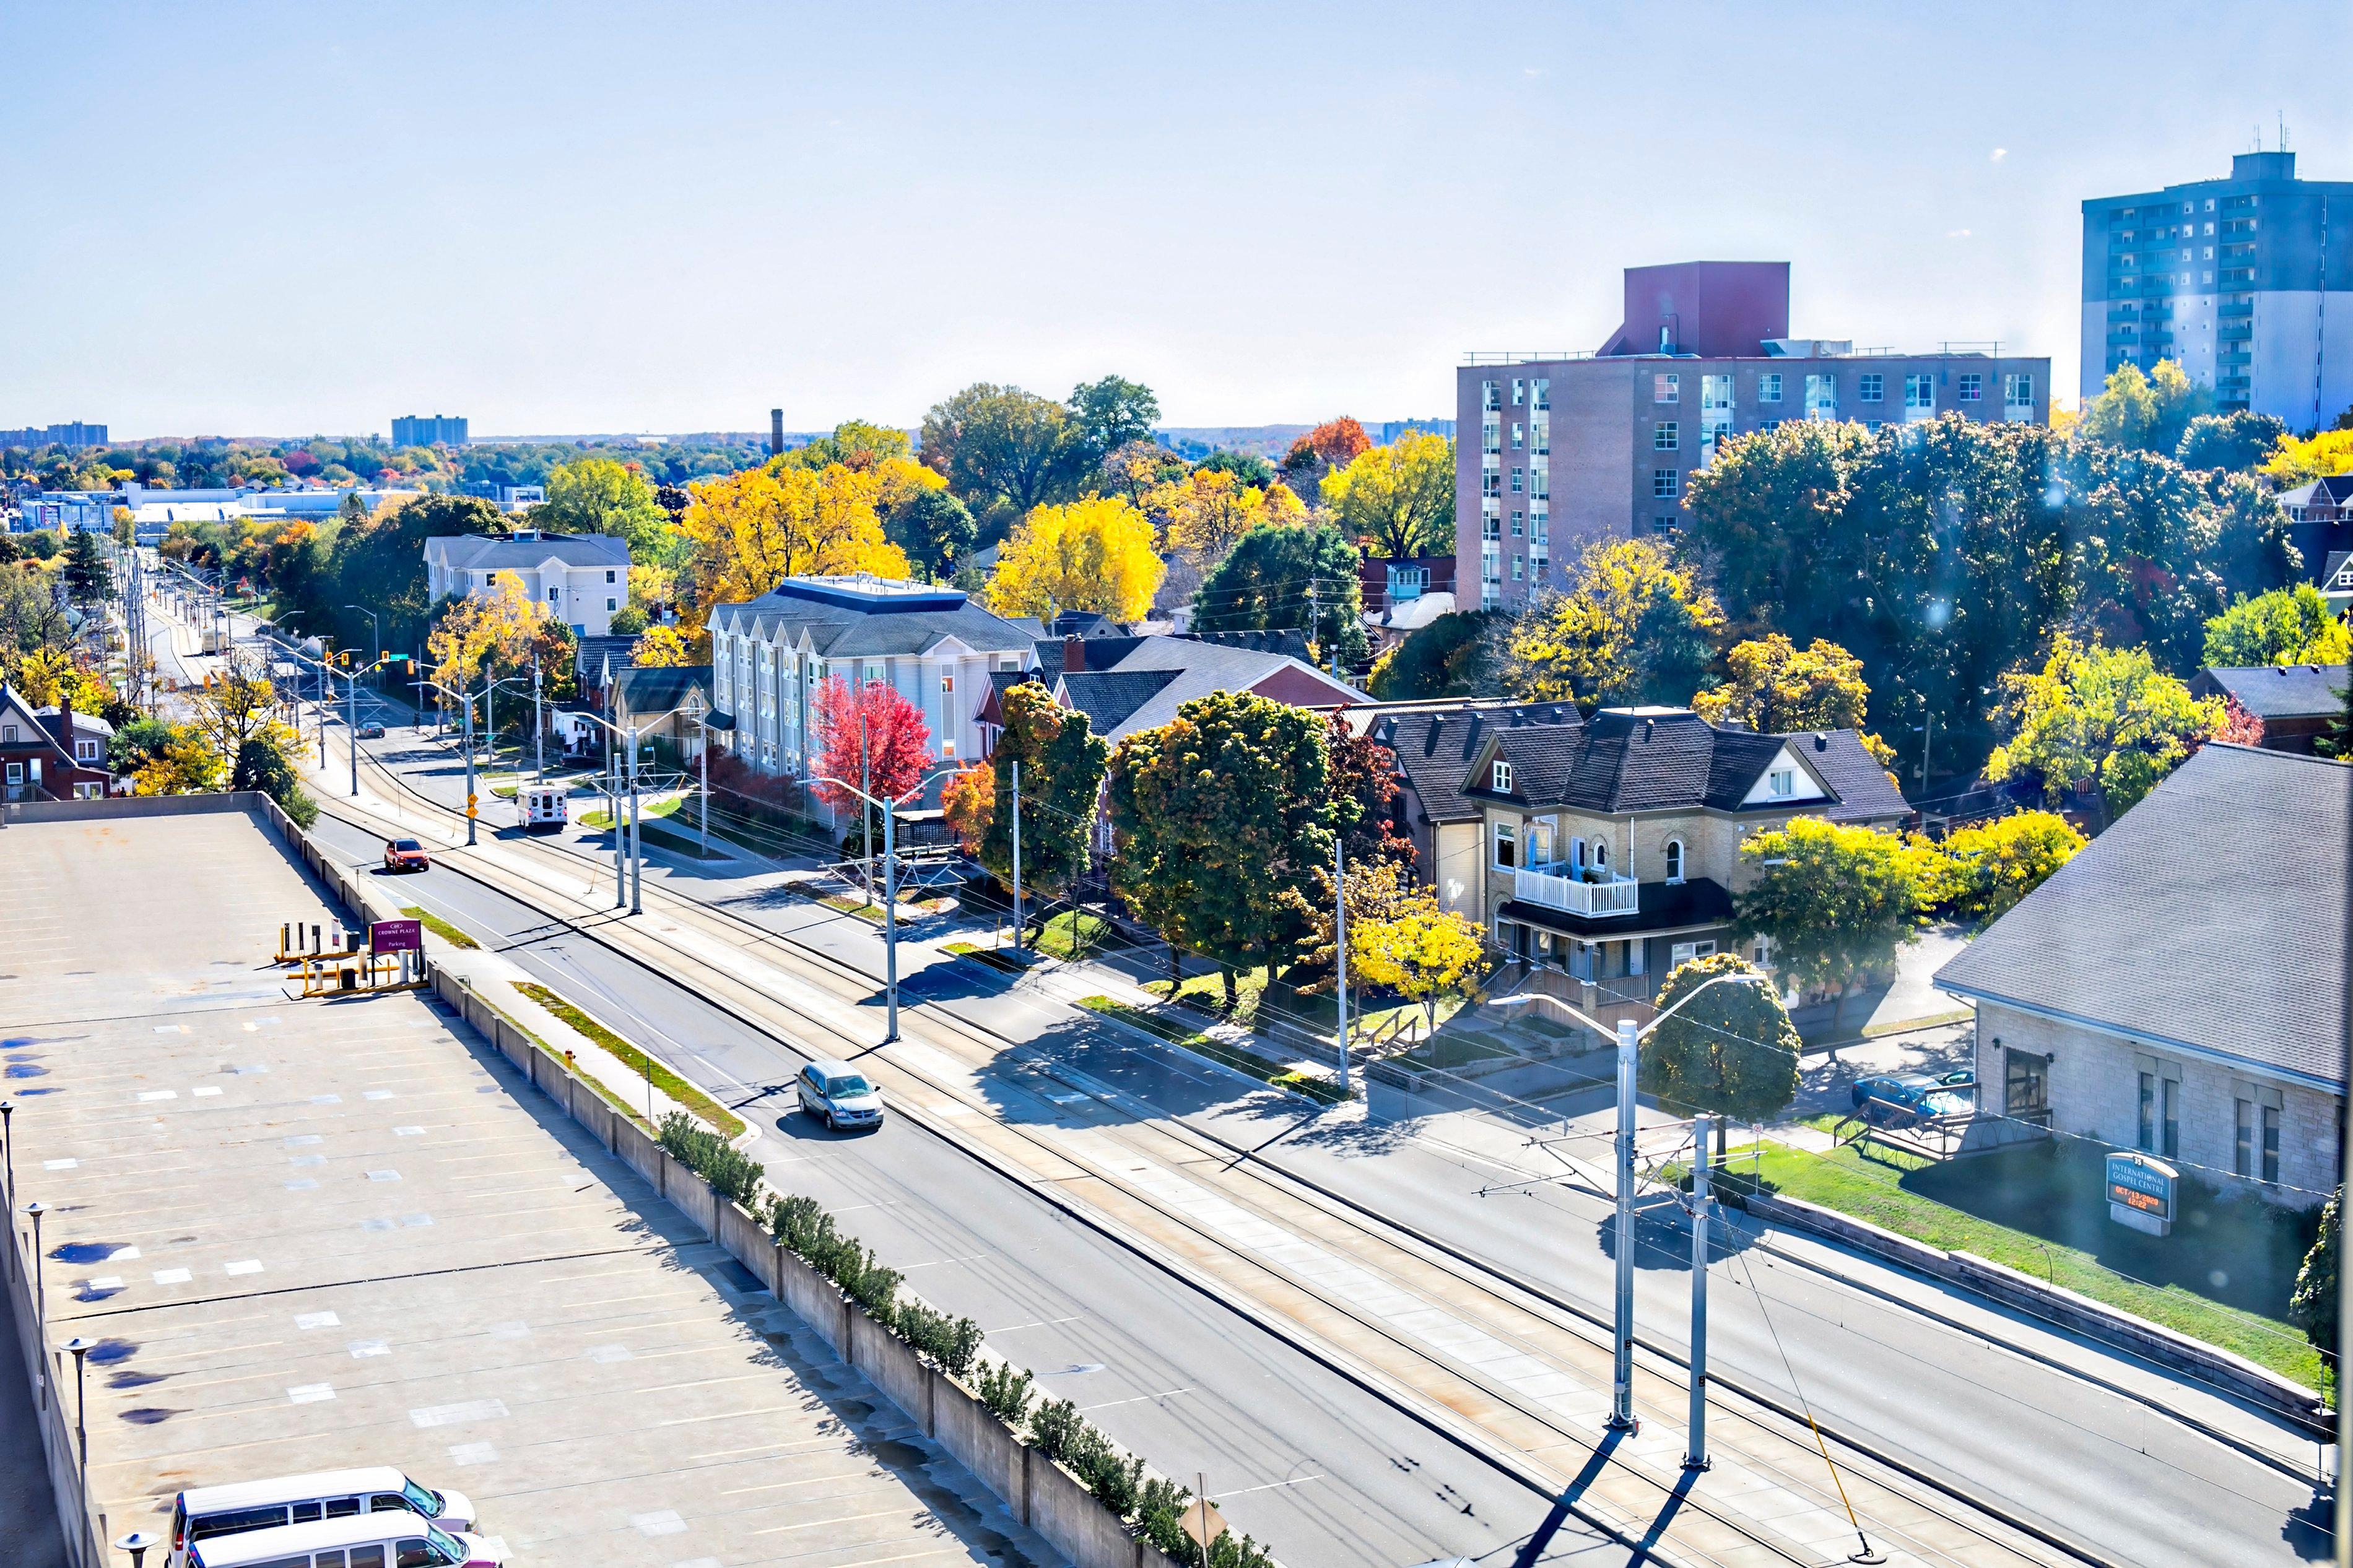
951, 1342
1160, 1510
1007, 1394
1055, 1427
732, 1174
804, 1227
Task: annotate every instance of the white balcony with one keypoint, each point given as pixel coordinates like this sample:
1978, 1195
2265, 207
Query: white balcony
1575, 895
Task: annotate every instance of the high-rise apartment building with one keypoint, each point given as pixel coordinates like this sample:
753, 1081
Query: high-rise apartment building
73, 436
2246, 282
1556, 447
420, 430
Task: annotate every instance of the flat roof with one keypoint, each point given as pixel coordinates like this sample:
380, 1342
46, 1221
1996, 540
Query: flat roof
312, 1235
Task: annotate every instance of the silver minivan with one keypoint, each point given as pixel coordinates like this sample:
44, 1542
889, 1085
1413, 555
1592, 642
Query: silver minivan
839, 1096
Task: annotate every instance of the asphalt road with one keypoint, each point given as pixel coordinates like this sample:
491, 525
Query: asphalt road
2093, 1464
1296, 1455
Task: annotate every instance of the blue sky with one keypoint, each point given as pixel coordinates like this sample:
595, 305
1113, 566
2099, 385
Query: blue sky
245, 219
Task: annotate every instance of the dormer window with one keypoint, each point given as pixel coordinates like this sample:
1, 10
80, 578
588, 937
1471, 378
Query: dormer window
1502, 776
1782, 782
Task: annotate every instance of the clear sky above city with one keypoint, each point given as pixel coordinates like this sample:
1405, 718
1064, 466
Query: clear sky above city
279, 219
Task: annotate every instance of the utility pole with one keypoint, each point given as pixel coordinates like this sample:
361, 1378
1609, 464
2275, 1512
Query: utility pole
538, 723
1340, 947
890, 916
1016, 857
1695, 1450
352, 726
1621, 1374
613, 808
470, 771
637, 835
865, 806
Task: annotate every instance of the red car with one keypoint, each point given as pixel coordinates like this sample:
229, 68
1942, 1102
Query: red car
406, 855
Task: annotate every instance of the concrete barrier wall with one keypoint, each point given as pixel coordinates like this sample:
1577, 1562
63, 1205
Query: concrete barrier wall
978, 1441
892, 1365
814, 1299
2056, 1303
692, 1196
119, 806
85, 1536
1069, 1516
746, 1242
641, 1153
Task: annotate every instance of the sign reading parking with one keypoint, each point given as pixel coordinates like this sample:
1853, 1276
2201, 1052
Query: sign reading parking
397, 936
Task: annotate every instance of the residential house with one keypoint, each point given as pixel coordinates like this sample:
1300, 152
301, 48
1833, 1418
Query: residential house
2294, 702
935, 646
1434, 744
663, 701
2320, 519
1612, 845
581, 579
2190, 1005
51, 753
596, 660
2336, 580
1127, 684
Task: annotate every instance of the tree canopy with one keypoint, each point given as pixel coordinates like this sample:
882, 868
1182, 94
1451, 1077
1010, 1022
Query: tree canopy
2101, 722
1278, 578
1732, 1052
2287, 626
1634, 627
1837, 902
1062, 763
2149, 413
749, 531
1451, 657
1982, 870
1091, 555
1397, 500
599, 495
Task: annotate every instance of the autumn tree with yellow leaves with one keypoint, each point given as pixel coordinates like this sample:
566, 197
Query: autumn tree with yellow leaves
1092, 554
484, 635
1634, 627
748, 532
1208, 510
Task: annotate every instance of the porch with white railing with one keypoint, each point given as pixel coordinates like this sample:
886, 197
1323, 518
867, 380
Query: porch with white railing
1573, 894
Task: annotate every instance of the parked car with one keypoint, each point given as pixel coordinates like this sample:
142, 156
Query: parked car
406, 855
1907, 1099
371, 731
240, 1508
839, 1096
372, 1540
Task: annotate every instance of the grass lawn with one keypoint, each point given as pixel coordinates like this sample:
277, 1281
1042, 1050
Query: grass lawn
1177, 1033
441, 928
728, 1123
603, 818
2224, 1276
1071, 933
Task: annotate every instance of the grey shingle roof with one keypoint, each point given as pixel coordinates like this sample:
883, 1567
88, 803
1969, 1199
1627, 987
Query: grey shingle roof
588, 659
2277, 691
1196, 668
839, 631
2209, 918
1110, 698
1433, 750
1625, 759
484, 552
660, 689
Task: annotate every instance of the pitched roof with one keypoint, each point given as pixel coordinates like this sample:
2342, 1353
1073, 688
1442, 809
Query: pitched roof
1196, 668
2277, 690
82, 721
2202, 921
844, 630
588, 658
2337, 576
659, 687
1662, 759
1433, 750
489, 553
1108, 697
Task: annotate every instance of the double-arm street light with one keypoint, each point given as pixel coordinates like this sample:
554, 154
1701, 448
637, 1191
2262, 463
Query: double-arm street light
1621, 1379
629, 838
889, 807
327, 673
375, 631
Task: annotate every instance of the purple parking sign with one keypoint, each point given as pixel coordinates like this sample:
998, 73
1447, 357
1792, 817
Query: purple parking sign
397, 936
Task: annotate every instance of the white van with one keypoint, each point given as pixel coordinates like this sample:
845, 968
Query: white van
356, 1541
203, 1513
543, 808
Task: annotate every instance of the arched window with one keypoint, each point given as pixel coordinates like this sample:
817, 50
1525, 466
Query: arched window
1674, 859
1601, 854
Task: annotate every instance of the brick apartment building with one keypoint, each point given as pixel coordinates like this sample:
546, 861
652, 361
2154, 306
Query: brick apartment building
1572, 447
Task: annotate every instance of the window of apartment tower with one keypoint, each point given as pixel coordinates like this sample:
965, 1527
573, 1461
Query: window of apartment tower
1519, 523
1870, 388
1972, 387
1517, 433
1666, 387
1665, 483
1540, 393
1768, 387
1666, 435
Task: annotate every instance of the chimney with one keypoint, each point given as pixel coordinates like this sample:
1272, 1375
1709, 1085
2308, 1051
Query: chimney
1074, 655
776, 432
64, 725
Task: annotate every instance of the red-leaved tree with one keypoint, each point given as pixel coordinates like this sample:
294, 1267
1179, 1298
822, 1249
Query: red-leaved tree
867, 732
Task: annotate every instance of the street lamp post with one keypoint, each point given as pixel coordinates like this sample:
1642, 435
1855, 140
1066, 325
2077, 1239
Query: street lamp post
1629, 1039
80, 1347
1339, 947
35, 1209
890, 809
375, 632
467, 699
1695, 1448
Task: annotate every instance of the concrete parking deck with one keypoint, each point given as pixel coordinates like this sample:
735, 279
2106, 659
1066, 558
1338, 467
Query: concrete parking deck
308, 1235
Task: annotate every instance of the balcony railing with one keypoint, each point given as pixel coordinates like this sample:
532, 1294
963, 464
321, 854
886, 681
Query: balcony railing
1535, 885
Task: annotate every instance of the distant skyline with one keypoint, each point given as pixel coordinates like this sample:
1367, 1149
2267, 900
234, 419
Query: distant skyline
272, 219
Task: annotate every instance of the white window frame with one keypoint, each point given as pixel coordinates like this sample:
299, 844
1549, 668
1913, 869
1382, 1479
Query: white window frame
1871, 387
1781, 782
1503, 842
1666, 387
1666, 484
1667, 436
1675, 857
1769, 386
1499, 779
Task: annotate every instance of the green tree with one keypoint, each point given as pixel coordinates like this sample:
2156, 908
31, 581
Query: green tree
89, 580
1397, 500
2105, 724
854, 443
1776, 688
936, 532
1249, 469
2146, 413
1062, 763
2241, 441
2336, 740
1982, 871
1451, 657
2287, 626
598, 495
380, 565
1219, 815
1837, 902
1732, 1052
262, 765
1634, 625
1267, 582
2313, 1306
1105, 416
1000, 448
